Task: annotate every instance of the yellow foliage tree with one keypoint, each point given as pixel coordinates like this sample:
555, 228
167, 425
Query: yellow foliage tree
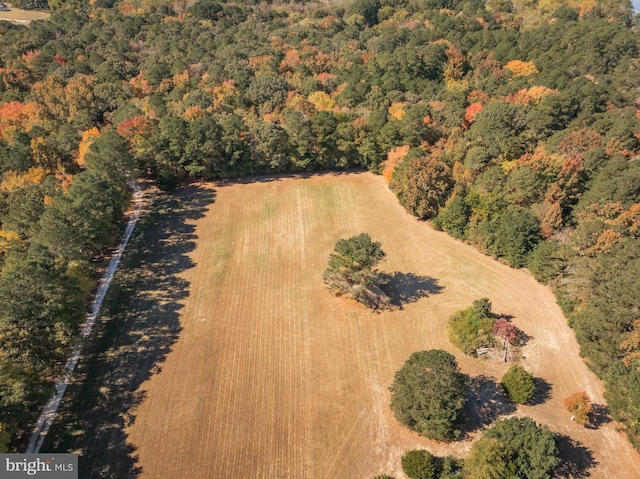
222, 92
322, 101
8, 239
537, 93
79, 95
12, 181
397, 111
631, 346
530, 96
45, 156
631, 220
393, 157
454, 70
579, 404
16, 116
60, 100
520, 68
291, 60
141, 86
585, 8
180, 79
83, 148
193, 113
261, 63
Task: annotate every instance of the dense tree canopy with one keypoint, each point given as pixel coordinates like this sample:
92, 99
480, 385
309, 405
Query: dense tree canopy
39, 307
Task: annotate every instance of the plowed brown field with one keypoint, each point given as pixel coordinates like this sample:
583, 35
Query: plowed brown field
272, 377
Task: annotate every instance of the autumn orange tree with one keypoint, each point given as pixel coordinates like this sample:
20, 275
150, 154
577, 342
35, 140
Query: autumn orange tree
422, 185
579, 404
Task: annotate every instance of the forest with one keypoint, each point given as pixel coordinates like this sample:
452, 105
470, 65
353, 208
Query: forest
512, 125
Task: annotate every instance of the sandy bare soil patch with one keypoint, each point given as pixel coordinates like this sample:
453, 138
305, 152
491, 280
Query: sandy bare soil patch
235, 362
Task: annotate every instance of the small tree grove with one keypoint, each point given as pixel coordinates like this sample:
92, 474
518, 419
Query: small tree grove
514, 448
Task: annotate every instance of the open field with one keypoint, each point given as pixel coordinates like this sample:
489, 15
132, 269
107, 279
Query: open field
16, 15
226, 357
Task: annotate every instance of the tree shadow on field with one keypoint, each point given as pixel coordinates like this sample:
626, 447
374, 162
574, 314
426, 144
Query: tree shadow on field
599, 416
576, 458
139, 324
486, 403
541, 393
404, 288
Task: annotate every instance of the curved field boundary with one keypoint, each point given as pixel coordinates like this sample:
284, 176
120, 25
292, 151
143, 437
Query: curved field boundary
236, 362
273, 377
51, 408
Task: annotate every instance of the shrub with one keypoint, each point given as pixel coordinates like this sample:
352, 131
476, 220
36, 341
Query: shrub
419, 464
470, 331
518, 384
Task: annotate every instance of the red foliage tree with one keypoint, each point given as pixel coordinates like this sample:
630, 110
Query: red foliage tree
138, 125
60, 59
506, 331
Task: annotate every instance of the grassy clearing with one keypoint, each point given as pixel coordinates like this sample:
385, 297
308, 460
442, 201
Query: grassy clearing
225, 356
24, 17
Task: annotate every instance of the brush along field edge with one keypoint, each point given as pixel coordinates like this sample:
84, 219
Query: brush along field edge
51, 407
273, 377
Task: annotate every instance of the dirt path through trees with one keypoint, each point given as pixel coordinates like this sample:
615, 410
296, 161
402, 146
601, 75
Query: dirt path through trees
51, 407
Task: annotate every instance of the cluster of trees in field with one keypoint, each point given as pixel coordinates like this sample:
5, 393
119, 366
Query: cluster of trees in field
511, 124
428, 395
477, 331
